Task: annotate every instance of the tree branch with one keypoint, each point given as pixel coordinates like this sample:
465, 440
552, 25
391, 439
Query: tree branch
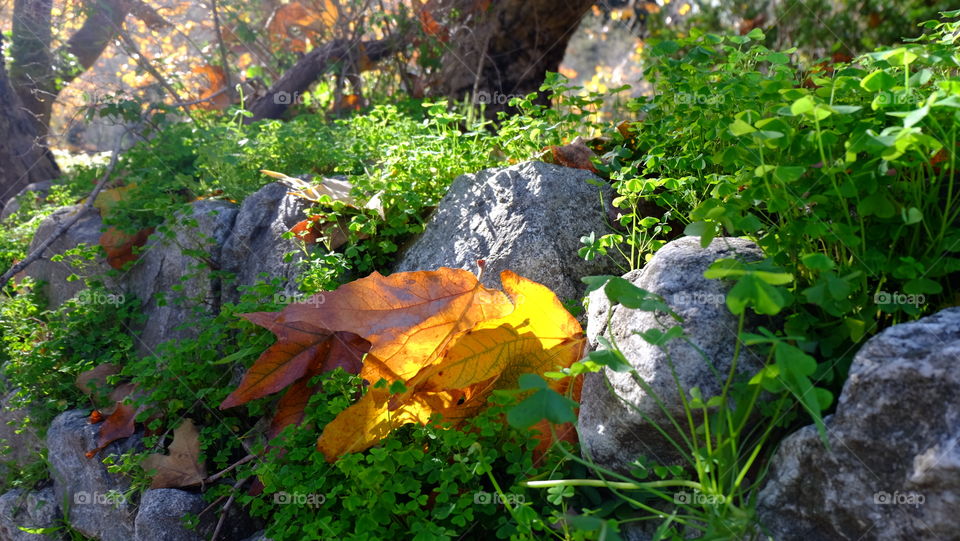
134, 52
315, 63
226, 507
103, 23
68, 223
223, 49
104, 18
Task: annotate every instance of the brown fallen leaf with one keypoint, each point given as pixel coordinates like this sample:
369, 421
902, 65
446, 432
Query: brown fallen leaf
95, 380
300, 347
576, 155
407, 318
348, 348
181, 467
537, 336
119, 245
120, 419
448, 339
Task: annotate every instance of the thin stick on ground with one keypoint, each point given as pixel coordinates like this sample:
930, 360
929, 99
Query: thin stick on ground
67, 224
226, 508
229, 468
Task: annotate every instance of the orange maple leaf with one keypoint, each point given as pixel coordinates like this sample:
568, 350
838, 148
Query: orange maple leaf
448, 339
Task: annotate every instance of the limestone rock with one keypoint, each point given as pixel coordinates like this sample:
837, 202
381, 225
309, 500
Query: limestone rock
893, 467
177, 264
98, 506
614, 434
527, 218
161, 513
55, 273
33, 510
162, 510
254, 246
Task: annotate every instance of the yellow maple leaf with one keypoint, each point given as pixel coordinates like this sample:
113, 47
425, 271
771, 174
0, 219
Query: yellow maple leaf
537, 336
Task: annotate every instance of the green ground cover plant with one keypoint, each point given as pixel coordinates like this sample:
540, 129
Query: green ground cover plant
844, 174
408, 152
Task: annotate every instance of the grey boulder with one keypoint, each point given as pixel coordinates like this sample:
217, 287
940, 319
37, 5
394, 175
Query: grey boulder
254, 249
29, 510
37, 190
162, 510
892, 470
161, 513
85, 230
96, 499
527, 218
612, 433
174, 275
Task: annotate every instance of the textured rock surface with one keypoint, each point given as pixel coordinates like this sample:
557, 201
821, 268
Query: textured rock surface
20, 509
160, 514
893, 467
614, 434
23, 441
254, 246
162, 510
527, 218
189, 250
97, 506
55, 273
37, 190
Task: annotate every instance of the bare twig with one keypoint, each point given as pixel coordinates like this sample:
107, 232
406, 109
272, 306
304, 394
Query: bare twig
229, 468
483, 56
200, 100
223, 48
67, 224
142, 61
226, 508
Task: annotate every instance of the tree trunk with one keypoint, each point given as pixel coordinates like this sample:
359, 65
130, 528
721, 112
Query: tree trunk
31, 66
23, 159
37, 74
505, 50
